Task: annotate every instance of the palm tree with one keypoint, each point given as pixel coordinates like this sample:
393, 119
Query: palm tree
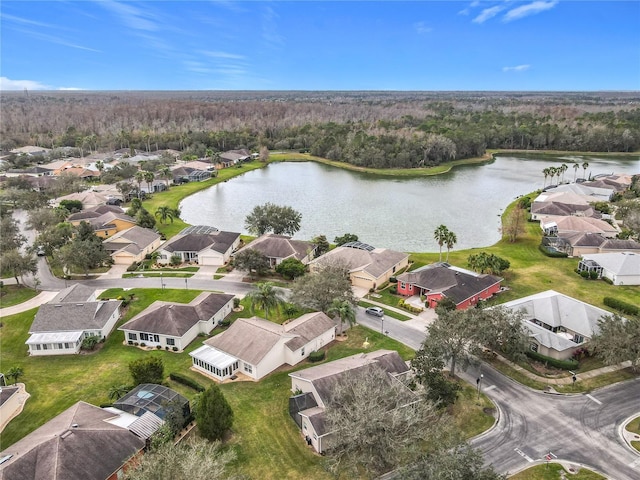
546, 173
265, 297
342, 310
450, 240
563, 168
576, 166
139, 178
15, 373
440, 235
585, 165
148, 177
118, 391
165, 172
552, 173
165, 212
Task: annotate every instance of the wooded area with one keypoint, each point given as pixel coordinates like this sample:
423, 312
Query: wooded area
372, 129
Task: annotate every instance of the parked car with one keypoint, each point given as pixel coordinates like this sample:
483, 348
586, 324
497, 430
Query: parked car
40, 251
376, 311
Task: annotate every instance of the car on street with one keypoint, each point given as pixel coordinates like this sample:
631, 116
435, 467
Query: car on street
40, 251
376, 311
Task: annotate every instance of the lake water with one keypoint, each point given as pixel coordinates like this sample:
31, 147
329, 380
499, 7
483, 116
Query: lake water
389, 212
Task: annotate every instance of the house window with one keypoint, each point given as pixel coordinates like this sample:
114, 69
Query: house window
133, 336
171, 341
60, 346
533, 347
38, 347
144, 336
578, 338
394, 269
248, 368
45, 346
67, 345
402, 285
156, 338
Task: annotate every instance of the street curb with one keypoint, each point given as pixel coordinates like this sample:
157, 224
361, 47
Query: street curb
623, 427
562, 462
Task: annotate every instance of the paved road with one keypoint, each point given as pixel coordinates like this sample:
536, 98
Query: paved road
581, 429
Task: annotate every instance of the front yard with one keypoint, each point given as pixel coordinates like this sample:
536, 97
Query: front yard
267, 441
14, 294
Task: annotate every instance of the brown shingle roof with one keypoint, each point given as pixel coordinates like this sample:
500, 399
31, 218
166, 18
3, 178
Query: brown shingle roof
175, 319
375, 262
78, 444
280, 247
192, 242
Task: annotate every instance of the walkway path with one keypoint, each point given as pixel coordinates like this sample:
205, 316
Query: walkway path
42, 297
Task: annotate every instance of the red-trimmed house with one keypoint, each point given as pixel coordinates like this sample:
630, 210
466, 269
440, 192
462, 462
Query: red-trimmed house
441, 280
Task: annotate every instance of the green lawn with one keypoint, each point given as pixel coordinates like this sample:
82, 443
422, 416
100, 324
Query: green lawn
157, 274
553, 471
176, 193
14, 294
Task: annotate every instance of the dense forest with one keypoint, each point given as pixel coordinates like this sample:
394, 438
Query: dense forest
376, 129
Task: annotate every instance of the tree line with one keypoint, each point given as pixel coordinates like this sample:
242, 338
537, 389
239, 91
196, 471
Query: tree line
370, 130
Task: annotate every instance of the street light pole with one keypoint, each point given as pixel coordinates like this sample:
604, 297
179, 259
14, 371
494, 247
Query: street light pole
382, 325
185, 284
479, 384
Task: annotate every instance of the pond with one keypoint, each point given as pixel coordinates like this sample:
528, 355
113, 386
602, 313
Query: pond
389, 212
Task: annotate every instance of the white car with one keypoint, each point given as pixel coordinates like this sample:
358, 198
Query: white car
376, 311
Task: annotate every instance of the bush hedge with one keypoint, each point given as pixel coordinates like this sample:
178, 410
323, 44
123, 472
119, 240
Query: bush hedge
621, 306
561, 364
316, 356
408, 306
184, 380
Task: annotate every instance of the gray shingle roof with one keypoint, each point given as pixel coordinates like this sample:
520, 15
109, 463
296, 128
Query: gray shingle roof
280, 247
454, 284
218, 241
78, 444
75, 293
133, 240
175, 319
53, 317
375, 262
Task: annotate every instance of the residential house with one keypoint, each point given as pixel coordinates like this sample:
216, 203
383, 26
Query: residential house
71, 316
196, 165
622, 268
560, 225
577, 244
440, 280
280, 247
37, 171
107, 223
619, 182
255, 347
93, 212
88, 198
558, 325
313, 388
187, 174
369, 267
31, 150
132, 245
233, 157
78, 444
200, 244
587, 192
12, 400
561, 204
173, 325
82, 172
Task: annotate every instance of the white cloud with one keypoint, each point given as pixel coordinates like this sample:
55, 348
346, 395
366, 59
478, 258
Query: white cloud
25, 21
131, 16
517, 68
8, 84
70, 88
270, 29
422, 28
529, 9
488, 13
216, 54
467, 10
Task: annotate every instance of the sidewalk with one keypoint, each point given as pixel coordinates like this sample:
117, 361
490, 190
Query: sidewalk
564, 380
34, 302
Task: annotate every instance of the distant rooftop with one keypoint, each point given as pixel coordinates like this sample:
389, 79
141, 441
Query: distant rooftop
359, 245
199, 230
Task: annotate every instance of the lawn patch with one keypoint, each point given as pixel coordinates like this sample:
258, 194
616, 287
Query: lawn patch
14, 294
553, 471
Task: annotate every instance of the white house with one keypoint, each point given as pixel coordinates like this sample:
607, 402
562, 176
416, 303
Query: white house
255, 347
313, 388
73, 315
201, 244
558, 325
175, 325
622, 268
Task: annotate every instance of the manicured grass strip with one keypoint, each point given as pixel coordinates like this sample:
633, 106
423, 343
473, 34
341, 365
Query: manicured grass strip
553, 471
15, 294
472, 414
154, 274
634, 425
387, 312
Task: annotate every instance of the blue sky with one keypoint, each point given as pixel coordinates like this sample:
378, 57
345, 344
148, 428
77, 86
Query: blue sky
308, 45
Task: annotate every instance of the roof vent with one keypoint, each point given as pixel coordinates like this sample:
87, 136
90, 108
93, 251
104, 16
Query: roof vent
74, 425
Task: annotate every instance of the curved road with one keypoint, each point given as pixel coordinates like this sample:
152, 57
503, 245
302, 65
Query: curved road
580, 428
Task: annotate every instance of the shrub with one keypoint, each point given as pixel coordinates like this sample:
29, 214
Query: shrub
316, 356
175, 260
584, 274
224, 323
90, 342
167, 348
236, 302
621, 306
148, 369
184, 380
593, 275
607, 280
130, 342
175, 349
393, 290
393, 280
561, 364
159, 347
142, 344
133, 267
135, 344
